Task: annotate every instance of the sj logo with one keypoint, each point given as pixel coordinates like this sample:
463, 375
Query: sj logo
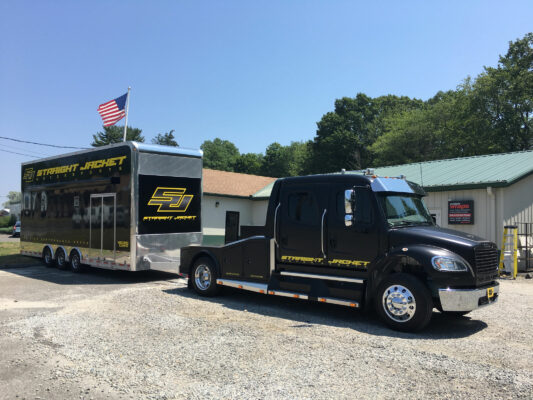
170, 199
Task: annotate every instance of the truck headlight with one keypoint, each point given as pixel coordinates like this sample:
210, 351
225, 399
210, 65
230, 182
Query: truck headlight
441, 263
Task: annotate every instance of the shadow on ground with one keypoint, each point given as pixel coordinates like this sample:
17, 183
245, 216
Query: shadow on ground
90, 276
305, 314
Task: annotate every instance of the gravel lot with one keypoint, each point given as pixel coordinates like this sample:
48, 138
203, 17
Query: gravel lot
107, 334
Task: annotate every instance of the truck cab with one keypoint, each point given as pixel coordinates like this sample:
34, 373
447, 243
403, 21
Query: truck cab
356, 240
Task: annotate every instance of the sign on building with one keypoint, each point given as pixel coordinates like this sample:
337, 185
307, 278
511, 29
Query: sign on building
461, 212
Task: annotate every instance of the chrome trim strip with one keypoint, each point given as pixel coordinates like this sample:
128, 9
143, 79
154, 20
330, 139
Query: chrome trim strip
340, 302
322, 233
326, 277
283, 293
251, 286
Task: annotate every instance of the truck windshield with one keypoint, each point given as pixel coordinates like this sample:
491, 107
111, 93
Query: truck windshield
402, 210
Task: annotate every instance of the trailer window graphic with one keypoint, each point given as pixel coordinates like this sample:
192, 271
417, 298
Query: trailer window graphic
169, 204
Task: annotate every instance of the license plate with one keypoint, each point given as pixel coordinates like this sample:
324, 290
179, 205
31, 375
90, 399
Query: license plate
490, 292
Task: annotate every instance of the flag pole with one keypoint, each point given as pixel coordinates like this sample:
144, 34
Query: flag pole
127, 107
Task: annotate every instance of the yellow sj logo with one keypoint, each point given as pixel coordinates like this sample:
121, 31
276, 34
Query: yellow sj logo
170, 199
490, 293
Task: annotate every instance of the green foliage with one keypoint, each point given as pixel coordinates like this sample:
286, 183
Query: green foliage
220, 154
249, 163
165, 139
13, 198
115, 134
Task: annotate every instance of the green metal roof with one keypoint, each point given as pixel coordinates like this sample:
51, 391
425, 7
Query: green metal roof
263, 193
496, 170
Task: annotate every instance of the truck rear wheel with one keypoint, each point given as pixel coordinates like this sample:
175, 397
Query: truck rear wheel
404, 303
204, 277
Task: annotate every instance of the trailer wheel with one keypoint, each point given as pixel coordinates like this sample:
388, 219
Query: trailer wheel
47, 257
61, 259
204, 277
75, 262
404, 303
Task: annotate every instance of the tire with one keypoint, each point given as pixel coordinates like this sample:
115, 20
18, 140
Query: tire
404, 303
75, 262
204, 276
47, 258
61, 259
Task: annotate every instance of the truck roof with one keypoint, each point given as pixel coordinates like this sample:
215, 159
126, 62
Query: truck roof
135, 146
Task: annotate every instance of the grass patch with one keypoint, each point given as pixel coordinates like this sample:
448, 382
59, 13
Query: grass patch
6, 229
10, 255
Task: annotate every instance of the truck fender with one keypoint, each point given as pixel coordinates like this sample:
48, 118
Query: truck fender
203, 253
414, 259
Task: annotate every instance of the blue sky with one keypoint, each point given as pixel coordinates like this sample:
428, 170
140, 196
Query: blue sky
252, 72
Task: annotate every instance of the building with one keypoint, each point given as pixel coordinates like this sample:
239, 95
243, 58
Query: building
477, 195
240, 197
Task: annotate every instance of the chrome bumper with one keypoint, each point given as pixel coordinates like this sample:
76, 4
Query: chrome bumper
468, 299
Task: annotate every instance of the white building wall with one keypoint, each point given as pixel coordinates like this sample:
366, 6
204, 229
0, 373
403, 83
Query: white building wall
518, 201
259, 210
484, 210
214, 215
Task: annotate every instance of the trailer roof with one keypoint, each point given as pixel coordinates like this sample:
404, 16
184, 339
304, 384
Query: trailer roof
140, 147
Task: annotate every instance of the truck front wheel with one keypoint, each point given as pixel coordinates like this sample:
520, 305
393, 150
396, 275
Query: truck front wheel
404, 303
204, 277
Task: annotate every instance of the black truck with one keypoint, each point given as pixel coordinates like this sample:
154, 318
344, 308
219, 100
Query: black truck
356, 240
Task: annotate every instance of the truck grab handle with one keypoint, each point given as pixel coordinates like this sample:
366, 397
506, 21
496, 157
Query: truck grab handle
322, 233
276, 224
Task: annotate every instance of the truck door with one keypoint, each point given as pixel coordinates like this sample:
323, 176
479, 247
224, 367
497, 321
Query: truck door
300, 227
351, 246
103, 226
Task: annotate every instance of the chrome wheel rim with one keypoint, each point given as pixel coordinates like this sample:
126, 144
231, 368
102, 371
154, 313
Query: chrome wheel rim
60, 259
202, 277
75, 261
399, 303
47, 257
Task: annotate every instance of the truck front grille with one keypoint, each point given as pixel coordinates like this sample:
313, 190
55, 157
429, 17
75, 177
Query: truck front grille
486, 257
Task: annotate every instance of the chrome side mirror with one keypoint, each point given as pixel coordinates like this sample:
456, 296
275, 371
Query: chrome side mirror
349, 206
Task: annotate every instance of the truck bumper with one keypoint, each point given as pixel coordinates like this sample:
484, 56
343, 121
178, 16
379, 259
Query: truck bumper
468, 299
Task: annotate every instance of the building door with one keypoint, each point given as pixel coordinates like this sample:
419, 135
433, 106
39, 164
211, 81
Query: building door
102, 226
232, 227
435, 214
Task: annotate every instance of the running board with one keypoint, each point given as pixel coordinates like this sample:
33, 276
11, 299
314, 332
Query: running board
262, 288
325, 277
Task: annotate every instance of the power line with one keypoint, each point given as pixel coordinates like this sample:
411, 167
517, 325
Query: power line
43, 144
26, 150
20, 154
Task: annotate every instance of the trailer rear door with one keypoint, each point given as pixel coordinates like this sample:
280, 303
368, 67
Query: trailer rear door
103, 226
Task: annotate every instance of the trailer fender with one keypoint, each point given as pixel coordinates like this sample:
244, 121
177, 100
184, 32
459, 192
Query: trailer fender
47, 246
75, 249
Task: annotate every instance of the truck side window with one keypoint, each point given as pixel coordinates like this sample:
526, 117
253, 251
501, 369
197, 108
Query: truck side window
363, 206
303, 208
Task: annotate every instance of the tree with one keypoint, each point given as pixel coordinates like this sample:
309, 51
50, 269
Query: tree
115, 134
220, 154
249, 163
165, 139
13, 198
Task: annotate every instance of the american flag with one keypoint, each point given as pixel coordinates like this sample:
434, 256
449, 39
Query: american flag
113, 111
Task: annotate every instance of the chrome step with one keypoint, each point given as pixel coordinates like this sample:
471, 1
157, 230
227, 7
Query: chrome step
318, 276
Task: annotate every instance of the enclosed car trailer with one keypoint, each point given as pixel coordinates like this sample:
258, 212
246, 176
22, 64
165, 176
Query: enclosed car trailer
128, 206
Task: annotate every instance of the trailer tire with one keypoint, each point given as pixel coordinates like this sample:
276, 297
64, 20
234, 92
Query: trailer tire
404, 303
204, 276
61, 259
47, 257
75, 262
